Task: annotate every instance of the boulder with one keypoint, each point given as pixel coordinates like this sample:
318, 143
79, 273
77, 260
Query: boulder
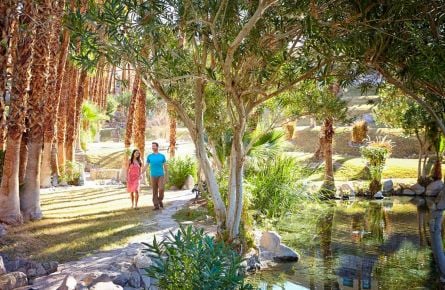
134, 279
434, 188
418, 189
2, 266
189, 183
270, 241
408, 191
50, 267
388, 186
13, 280
69, 283
142, 261
2, 230
106, 286
286, 254
378, 195
121, 279
347, 189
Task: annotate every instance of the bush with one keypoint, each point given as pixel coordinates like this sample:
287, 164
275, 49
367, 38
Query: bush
376, 152
359, 132
179, 169
275, 187
190, 259
72, 173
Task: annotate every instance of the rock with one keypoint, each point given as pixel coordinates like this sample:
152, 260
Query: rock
189, 183
13, 280
408, 191
346, 189
378, 195
142, 261
40, 270
2, 266
251, 262
286, 254
418, 189
388, 186
270, 241
146, 282
134, 279
69, 283
440, 200
81, 287
121, 279
106, 286
2, 230
434, 188
50, 267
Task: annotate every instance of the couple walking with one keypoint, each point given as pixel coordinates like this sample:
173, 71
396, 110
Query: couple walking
158, 175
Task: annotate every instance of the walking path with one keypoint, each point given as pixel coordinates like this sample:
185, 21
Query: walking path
120, 263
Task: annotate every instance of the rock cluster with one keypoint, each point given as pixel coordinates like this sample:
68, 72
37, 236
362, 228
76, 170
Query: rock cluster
431, 190
16, 273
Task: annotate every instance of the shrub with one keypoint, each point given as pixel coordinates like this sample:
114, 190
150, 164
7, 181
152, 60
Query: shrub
376, 152
190, 259
179, 169
359, 132
72, 172
275, 188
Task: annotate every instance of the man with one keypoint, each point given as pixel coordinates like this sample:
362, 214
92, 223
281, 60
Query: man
158, 174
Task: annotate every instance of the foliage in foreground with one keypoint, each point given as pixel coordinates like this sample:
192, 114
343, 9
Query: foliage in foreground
190, 259
179, 169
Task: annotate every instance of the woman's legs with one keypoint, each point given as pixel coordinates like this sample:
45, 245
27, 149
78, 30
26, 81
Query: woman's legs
132, 199
136, 198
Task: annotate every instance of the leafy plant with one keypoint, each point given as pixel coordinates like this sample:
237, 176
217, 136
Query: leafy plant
275, 187
359, 132
178, 170
376, 152
190, 259
72, 172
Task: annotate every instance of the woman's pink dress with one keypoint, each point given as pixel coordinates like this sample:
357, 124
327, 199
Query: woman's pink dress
134, 173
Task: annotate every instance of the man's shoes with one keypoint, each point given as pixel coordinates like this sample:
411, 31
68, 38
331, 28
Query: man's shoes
156, 208
161, 204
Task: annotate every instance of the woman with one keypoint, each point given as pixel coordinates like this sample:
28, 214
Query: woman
133, 177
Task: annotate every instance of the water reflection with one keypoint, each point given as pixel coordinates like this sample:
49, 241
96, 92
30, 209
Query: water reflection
358, 245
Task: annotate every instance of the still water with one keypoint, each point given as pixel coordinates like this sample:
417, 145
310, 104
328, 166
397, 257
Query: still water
359, 244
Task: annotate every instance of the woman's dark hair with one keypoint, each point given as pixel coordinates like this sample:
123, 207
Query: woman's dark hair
138, 159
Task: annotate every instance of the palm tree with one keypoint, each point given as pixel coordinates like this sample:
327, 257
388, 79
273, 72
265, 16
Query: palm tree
22, 58
70, 116
6, 15
140, 119
56, 68
38, 97
62, 116
129, 126
172, 131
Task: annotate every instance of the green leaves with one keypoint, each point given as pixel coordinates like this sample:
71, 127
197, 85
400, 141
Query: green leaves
190, 259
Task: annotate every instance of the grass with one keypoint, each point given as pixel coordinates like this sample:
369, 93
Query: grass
108, 159
192, 212
78, 222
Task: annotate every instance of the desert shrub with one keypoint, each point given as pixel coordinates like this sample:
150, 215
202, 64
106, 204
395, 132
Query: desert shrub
359, 132
72, 172
376, 152
190, 259
179, 169
275, 187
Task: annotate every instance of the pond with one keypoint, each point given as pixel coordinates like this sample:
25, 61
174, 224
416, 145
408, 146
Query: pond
359, 244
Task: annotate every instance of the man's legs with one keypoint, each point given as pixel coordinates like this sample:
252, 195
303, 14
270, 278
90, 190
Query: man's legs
161, 191
154, 184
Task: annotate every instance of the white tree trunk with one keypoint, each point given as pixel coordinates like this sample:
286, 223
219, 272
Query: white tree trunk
45, 169
9, 191
30, 195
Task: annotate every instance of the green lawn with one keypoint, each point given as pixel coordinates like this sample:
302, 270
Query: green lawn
77, 223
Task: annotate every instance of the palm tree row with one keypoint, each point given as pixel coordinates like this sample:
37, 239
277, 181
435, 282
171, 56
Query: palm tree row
46, 89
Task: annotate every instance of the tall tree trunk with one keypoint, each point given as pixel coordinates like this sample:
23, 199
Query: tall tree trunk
110, 80
172, 130
129, 126
30, 193
71, 114
7, 7
81, 93
22, 55
56, 63
140, 120
319, 152
328, 182
23, 155
62, 117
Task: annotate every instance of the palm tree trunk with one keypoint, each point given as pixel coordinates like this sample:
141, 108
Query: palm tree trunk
172, 131
22, 56
140, 120
129, 126
328, 126
71, 115
52, 107
40, 89
62, 117
81, 92
23, 156
6, 14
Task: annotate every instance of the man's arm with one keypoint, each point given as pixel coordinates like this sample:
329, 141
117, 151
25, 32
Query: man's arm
165, 171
